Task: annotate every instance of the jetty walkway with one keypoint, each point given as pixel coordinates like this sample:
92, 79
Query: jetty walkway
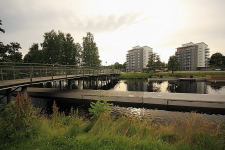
209, 102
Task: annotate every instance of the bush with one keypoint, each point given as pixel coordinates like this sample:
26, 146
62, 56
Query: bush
99, 107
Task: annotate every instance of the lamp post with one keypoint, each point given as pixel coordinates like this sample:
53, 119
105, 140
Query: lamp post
106, 66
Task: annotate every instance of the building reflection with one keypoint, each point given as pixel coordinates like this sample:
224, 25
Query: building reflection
187, 87
167, 86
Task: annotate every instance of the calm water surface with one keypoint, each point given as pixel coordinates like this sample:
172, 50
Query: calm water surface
170, 87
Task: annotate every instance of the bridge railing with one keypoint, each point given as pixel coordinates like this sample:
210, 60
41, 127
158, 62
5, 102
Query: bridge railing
12, 71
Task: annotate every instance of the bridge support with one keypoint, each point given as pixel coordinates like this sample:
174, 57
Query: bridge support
80, 84
69, 84
9, 96
24, 91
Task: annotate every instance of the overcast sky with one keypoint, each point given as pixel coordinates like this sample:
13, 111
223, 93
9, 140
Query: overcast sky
117, 25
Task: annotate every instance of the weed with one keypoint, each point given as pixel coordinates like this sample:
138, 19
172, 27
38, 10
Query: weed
99, 107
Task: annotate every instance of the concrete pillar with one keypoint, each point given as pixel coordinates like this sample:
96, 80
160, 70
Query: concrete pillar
24, 91
60, 84
69, 84
80, 84
9, 96
97, 82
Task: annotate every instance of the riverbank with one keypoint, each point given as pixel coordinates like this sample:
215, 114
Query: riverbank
168, 75
22, 127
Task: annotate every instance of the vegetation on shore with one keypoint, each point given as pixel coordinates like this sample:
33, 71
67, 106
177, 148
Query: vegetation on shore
22, 127
168, 75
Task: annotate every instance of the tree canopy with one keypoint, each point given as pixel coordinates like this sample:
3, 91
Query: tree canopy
90, 51
173, 63
10, 52
217, 59
154, 62
59, 48
34, 55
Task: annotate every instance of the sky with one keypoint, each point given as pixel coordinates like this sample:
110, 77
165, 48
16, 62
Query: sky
117, 25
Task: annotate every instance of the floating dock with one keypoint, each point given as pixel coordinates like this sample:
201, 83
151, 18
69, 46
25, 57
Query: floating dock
139, 99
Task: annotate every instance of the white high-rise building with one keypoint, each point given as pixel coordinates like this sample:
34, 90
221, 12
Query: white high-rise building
137, 58
193, 56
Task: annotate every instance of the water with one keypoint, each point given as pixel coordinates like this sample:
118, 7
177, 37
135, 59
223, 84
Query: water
170, 86
133, 85
141, 85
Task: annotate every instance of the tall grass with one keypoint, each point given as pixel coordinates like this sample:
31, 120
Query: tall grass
60, 131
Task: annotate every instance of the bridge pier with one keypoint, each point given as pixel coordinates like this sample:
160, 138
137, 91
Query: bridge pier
9, 96
80, 87
69, 84
24, 91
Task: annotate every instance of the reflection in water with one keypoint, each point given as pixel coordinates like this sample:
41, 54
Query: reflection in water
170, 86
162, 116
155, 86
79, 84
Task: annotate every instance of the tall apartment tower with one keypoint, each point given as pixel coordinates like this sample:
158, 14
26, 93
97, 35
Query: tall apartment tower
193, 56
137, 58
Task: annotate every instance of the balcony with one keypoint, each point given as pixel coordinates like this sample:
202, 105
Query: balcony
207, 50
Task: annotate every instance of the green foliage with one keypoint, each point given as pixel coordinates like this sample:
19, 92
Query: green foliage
99, 107
90, 52
173, 64
34, 55
168, 75
16, 118
154, 62
108, 132
59, 48
10, 52
217, 59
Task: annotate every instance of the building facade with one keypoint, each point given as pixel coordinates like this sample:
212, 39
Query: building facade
193, 56
137, 58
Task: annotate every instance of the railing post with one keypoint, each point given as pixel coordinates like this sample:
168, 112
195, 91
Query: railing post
14, 75
31, 74
46, 72
66, 72
83, 71
52, 71
2, 75
76, 71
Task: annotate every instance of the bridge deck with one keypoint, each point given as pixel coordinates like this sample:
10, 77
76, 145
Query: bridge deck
24, 82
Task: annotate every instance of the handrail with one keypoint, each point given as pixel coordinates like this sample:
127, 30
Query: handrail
12, 70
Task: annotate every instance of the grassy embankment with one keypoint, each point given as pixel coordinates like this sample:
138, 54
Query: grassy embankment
168, 75
23, 128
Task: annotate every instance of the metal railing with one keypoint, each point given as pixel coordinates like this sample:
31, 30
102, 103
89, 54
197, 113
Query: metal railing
13, 71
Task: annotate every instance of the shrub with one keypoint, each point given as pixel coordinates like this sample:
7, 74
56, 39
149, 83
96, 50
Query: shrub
99, 107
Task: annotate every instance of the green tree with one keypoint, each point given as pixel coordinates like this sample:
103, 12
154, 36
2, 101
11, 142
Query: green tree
154, 62
217, 59
50, 47
10, 52
2, 30
34, 55
59, 48
90, 52
118, 65
173, 63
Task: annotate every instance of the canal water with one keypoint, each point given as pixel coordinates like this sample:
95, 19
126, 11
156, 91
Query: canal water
135, 85
171, 86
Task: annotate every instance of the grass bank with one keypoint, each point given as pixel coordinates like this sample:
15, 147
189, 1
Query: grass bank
23, 128
168, 75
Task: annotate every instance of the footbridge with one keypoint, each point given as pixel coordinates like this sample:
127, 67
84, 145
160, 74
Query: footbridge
23, 75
